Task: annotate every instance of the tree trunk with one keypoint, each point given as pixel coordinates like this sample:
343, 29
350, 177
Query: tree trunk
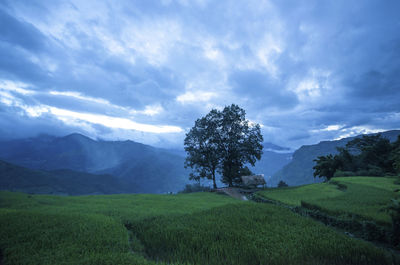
213, 178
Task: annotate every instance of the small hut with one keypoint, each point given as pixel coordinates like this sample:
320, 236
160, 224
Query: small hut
253, 181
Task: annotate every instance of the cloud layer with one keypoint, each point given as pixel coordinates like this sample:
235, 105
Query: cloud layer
305, 70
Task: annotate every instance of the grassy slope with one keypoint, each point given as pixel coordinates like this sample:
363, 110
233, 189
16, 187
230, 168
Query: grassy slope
44, 229
364, 196
200, 228
251, 233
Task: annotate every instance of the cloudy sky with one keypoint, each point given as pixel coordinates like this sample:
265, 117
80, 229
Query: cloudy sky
306, 71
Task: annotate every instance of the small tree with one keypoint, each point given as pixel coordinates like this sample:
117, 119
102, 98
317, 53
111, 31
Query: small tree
282, 184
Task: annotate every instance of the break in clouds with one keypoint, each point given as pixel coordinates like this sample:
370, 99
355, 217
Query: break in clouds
145, 70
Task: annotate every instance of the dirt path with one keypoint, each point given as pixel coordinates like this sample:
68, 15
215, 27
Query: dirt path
233, 192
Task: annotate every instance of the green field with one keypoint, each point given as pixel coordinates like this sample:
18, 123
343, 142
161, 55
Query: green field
366, 197
197, 228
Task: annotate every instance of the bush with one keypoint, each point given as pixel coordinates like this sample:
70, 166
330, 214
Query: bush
282, 184
375, 171
340, 173
394, 208
371, 172
189, 188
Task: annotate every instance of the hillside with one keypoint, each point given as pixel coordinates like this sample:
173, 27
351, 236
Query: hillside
144, 168
270, 163
299, 171
63, 182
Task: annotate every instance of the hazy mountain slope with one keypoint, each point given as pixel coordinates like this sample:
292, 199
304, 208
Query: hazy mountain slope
299, 171
270, 163
145, 168
17, 178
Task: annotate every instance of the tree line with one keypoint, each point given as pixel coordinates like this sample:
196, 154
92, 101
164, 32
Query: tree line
223, 143
369, 155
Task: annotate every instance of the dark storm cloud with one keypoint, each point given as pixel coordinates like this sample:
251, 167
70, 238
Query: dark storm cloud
306, 70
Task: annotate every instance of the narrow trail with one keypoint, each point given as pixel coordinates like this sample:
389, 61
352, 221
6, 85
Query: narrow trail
233, 192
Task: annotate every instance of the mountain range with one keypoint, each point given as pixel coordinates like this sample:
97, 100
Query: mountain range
49, 164
76, 164
140, 167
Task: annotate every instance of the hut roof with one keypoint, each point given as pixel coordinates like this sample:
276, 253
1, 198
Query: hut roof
253, 180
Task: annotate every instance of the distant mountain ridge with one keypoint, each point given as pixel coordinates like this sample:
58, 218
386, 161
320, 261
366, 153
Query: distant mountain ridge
61, 182
299, 171
144, 168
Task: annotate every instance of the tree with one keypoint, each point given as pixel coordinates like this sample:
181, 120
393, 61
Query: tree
224, 142
326, 166
395, 156
201, 145
240, 143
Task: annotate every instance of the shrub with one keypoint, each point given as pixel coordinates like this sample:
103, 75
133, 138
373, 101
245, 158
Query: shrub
189, 188
340, 173
394, 209
282, 184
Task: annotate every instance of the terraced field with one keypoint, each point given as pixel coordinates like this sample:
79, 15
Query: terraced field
197, 228
366, 197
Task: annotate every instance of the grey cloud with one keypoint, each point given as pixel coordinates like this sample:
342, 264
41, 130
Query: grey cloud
262, 89
20, 33
15, 65
356, 43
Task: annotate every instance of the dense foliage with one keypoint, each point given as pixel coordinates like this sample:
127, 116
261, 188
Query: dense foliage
224, 142
196, 228
299, 170
394, 209
369, 155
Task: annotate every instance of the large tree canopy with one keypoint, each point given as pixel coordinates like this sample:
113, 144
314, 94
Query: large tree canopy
202, 147
224, 142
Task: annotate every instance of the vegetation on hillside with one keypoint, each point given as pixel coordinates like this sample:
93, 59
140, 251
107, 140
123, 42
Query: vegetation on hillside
300, 169
370, 155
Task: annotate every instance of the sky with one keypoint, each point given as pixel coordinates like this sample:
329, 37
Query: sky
306, 71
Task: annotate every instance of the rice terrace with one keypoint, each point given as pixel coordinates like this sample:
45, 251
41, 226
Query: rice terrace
199, 132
